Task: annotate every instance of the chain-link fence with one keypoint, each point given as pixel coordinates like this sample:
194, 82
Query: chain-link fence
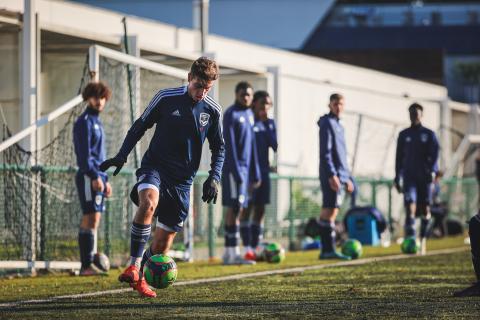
293, 201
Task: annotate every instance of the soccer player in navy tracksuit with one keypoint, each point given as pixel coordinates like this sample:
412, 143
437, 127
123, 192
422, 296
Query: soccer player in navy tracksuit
241, 154
335, 176
474, 233
265, 138
184, 118
92, 184
416, 165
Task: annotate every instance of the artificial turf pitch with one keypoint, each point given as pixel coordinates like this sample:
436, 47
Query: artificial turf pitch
418, 287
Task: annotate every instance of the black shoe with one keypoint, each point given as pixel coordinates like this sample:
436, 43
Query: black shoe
472, 291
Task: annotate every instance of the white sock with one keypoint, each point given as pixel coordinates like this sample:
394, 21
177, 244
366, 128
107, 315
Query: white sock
236, 251
247, 249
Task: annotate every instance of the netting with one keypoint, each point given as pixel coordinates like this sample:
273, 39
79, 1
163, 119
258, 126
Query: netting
371, 144
41, 212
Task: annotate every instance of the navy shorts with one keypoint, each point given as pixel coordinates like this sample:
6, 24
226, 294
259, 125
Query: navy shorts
173, 202
234, 195
90, 200
261, 195
417, 191
331, 199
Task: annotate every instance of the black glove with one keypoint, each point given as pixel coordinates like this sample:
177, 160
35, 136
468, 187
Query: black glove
398, 186
113, 162
210, 190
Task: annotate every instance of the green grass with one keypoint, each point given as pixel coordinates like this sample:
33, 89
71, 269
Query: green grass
419, 287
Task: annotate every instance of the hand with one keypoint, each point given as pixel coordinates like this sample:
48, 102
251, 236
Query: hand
334, 183
253, 186
97, 185
113, 162
108, 190
350, 186
398, 186
210, 190
256, 184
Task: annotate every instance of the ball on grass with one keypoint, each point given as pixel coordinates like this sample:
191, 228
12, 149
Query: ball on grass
352, 248
273, 253
409, 245
160, 271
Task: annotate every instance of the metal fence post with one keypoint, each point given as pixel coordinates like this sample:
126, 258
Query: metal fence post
373, 184
211, 232
43, 214
291, 226
390, 219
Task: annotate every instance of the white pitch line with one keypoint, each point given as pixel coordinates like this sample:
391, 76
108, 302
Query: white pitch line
242, 276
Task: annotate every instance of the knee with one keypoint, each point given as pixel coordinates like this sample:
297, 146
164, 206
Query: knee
328, 214
90, 221
147, 206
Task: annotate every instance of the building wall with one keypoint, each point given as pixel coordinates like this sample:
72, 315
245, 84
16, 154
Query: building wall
304, 84
10, 79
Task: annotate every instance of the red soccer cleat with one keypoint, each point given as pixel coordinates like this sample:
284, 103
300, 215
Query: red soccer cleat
130, 275
250, 255
143, 289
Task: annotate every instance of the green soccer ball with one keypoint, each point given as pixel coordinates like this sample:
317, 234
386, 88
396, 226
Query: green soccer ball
352, 248
160, 271
273, 253
409, 245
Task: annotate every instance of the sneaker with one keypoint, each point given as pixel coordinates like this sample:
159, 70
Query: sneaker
236, 260
472, 291
423, 246
92, 270
143, 289
250, 255
333, 255
130, 275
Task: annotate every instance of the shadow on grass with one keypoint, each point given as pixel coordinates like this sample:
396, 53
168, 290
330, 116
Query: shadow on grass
70, 305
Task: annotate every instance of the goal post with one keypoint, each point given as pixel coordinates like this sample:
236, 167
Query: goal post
56, 223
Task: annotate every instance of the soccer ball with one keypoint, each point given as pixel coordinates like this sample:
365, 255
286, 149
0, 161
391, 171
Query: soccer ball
352, 248
409, 245
273, 253
160, 271
101, 261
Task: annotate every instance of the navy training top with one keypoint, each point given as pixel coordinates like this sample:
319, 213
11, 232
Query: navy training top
266, 137
333, 149
182, 125
417, 153
88, 141
240, 144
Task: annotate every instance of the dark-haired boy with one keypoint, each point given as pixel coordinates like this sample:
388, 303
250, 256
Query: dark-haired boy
416, 166
265, 138
92, 184
240, 148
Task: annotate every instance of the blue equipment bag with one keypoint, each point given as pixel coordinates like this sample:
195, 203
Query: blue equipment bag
365, 224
